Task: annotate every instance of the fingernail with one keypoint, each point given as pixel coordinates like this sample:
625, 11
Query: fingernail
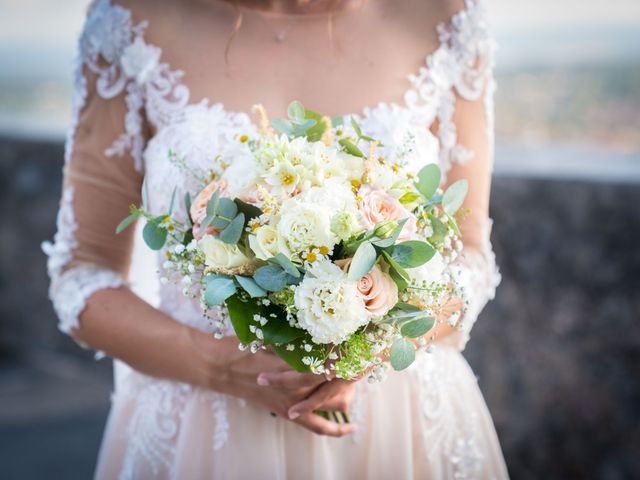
293, 415
262, 380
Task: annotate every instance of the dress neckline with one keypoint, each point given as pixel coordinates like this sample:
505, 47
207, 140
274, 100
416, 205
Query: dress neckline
446, 33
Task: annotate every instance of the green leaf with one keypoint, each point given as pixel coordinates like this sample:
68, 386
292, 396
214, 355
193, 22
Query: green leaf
293, 358
227, 208
398, 274
454, 196
412, 254
295, 110
409, 198
173, 200
403, 353
187, 207
418, 327
356, 127
428, 180
126, 222
232, 233
454, 225
272, 278
286, 264
278, 331
241, 315
212, 204
250, 286
250, 211
350, 148
219, 288
282, 125
337, 121
363, 261
153, 234
439, 231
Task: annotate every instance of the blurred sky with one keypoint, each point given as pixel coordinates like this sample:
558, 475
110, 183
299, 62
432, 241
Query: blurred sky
37, 37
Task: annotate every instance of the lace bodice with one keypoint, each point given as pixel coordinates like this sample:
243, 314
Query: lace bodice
131, 108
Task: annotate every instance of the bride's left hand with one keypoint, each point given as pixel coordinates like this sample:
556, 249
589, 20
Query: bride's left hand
332, 395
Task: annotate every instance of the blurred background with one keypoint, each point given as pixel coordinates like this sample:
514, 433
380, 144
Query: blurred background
557, 353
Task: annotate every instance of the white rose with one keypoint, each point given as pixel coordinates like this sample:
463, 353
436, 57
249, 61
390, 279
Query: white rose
219, 254
329, 306
265, 242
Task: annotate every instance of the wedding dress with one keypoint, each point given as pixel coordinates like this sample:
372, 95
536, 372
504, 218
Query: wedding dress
132, 106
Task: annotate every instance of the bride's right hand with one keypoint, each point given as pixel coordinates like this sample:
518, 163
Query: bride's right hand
225, 368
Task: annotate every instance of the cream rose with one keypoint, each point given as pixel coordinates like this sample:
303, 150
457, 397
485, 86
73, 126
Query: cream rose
218, 254
198, 209
378, 206
264, 243
377, 289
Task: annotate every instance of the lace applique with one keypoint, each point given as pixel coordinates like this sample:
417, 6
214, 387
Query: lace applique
70, 290
463, 62
479, 276
450, 428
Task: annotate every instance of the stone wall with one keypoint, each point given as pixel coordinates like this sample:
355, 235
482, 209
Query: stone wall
556, 353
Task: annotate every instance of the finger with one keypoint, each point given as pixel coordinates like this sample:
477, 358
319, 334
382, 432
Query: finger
337, 403
317, 398
289, 379
322, 426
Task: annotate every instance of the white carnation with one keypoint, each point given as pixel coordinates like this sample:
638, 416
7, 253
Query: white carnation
302, 225
329, 307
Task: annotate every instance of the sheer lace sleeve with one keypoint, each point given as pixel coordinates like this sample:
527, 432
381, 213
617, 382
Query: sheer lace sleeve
454, 94
103, 167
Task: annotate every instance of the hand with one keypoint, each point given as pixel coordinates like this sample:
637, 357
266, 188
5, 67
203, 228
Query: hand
333, 395
264, 379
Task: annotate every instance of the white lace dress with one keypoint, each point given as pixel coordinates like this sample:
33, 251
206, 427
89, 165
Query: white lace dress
427, 422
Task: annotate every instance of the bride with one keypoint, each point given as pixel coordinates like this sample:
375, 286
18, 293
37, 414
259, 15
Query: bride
155, 76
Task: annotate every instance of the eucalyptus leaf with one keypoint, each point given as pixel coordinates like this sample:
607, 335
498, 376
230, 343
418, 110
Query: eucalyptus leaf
173, 200
232, 233
271, 278
282, 125
403, 353
439, 231
212, 204
153, 234
286, 264
398, 274
391, 239
296, 110
227, 208
418, 327
454, 196
219, 288
454, 225
250, 286
337, 121
412, 254
428, 180
187, 207
126, 222
350, 148
363, 261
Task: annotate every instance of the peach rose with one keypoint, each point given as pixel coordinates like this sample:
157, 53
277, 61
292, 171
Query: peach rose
377, 206
198, 209
377, 289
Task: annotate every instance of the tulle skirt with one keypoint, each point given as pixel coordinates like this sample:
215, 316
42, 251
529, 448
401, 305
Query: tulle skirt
429, 422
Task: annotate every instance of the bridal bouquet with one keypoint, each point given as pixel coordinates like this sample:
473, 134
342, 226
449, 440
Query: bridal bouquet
317, 247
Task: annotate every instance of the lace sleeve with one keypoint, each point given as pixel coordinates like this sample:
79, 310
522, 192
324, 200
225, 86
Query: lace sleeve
103, 167
454, 93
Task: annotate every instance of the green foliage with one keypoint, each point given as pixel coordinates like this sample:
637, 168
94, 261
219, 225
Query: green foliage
219, 288
127, 221
439, 231
412, 254
355, 355
250, 286
428, 180
363, 261
241, 314
286, 264
403, 353
418, 327
154, 233
349, 147
273, 278
398, 274
454, 196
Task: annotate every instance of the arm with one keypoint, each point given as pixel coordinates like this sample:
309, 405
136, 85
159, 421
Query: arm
88, 263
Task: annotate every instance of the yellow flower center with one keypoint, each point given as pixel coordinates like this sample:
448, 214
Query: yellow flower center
324, 250
311, 257
244, 138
